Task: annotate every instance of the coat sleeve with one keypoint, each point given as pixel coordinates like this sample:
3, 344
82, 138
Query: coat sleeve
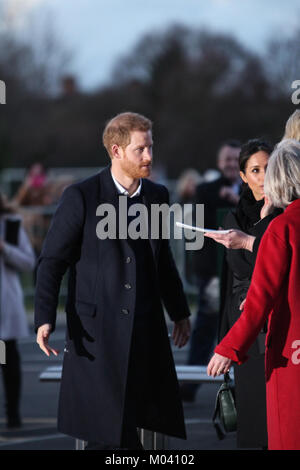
20, 257
170, 284
271, 271
60, 249
258, 232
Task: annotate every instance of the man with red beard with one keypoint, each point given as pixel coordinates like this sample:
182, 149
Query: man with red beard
118, 369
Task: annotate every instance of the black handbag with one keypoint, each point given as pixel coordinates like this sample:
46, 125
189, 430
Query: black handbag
225, 417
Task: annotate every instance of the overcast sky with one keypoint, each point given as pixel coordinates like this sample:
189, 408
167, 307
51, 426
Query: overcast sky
100, 31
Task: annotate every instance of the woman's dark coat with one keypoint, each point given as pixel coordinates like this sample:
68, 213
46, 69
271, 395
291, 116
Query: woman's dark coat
100, 313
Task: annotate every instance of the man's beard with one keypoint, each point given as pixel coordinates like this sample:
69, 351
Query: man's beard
136, 171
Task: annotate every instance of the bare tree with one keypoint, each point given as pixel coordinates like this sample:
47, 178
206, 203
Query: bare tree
32, 54
282, 62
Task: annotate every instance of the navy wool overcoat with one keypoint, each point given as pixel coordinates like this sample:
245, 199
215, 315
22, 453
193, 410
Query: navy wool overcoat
100, 311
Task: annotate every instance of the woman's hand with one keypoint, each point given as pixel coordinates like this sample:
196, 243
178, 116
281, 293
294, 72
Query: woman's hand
218, 365
266, 209
234, 240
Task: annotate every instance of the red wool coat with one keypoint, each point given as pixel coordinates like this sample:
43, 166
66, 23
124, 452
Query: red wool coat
274, 295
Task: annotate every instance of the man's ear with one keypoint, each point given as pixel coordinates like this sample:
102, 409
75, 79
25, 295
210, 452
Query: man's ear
116, 151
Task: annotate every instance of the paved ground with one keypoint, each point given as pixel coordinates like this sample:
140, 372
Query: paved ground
39, 405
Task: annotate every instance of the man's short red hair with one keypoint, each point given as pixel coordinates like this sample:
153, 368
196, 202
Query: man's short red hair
118, 129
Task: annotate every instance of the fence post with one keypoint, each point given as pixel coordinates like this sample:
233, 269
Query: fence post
2, 352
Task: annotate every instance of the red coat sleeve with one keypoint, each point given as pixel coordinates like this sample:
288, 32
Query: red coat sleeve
270, 272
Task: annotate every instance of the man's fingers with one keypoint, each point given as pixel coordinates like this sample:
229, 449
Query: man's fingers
43, 344
44, 348
176, 335
180, 336
47, 350
54, 351
42, 339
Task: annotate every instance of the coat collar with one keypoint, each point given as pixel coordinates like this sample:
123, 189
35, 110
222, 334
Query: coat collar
122, 190
109, 193
293, 205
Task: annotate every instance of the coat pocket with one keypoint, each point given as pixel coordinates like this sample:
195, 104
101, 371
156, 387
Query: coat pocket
85, 309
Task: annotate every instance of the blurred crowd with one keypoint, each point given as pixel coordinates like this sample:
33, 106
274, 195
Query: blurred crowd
36, 193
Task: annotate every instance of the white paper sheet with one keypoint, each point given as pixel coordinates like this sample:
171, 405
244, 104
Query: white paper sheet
200, 229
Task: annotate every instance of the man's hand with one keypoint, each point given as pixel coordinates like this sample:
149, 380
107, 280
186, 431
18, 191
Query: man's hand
234, 240
181, 332
42, 338
218, 365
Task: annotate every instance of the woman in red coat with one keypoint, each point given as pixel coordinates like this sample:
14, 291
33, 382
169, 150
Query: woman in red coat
274, 296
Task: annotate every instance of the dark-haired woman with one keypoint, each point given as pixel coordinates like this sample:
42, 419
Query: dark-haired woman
16, 255
249, 222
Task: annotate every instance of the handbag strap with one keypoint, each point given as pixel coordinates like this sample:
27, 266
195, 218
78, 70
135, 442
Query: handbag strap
217, 426
227, 378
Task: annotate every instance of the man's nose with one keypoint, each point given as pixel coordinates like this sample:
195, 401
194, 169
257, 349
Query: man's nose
148, 155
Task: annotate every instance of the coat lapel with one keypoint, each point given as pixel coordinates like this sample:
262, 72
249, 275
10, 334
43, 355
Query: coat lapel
150, 197
108, 194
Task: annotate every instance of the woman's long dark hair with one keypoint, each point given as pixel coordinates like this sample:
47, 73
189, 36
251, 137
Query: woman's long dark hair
250, 148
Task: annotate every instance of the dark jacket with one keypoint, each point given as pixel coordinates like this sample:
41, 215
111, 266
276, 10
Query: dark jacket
100, 313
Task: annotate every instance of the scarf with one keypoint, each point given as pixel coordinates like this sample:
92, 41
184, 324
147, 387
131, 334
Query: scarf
248, 209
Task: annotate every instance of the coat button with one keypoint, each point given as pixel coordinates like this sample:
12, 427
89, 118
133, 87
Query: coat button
128, 259
127, 286
125, 311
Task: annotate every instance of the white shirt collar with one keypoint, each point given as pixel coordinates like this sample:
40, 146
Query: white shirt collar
122, 190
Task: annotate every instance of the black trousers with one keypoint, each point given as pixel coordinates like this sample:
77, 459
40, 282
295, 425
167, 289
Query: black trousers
11, 373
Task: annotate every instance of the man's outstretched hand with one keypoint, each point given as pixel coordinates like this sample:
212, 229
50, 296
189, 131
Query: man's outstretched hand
42, 338
181, 332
